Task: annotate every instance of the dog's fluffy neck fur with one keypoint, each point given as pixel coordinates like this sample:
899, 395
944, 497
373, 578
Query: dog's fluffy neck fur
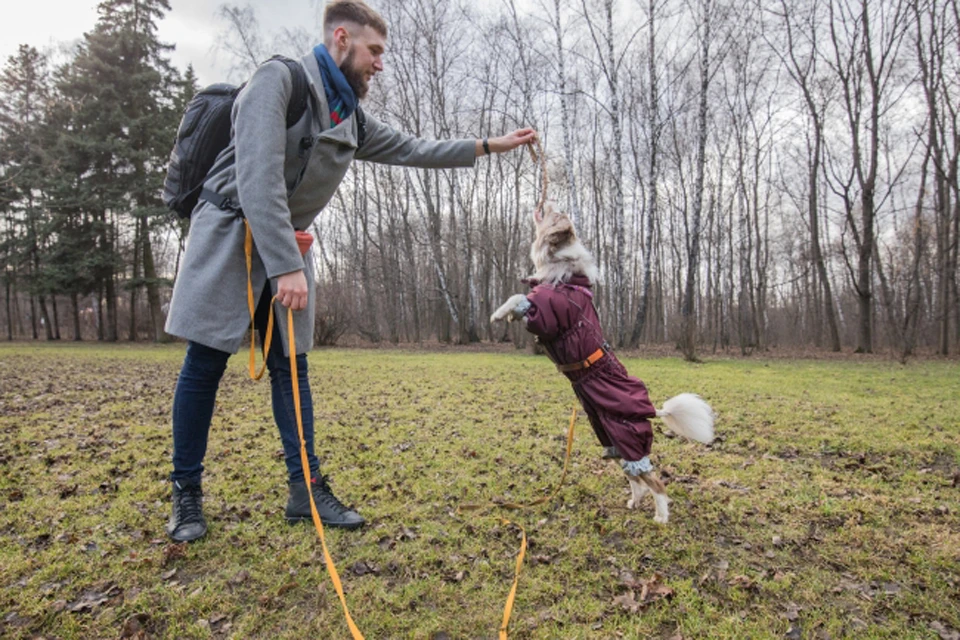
567, 262
557, 252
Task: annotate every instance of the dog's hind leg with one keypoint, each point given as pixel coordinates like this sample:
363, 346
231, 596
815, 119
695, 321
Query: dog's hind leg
639, 489
641, 471
660, 500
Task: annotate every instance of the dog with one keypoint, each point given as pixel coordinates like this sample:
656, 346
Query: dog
559, 311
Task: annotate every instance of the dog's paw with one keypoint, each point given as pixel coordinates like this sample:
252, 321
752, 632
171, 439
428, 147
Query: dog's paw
661, 519
631, 504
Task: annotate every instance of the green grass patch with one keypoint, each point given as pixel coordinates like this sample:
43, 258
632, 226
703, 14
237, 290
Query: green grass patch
827, 508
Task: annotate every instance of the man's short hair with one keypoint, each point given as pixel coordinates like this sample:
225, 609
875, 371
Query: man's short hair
356, 11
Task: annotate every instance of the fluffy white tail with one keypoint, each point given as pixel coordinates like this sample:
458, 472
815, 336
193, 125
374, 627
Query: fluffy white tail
688, 415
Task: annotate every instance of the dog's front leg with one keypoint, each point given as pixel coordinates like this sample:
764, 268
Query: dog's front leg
515, 307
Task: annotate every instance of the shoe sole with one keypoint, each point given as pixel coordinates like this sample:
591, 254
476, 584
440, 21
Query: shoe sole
176, 539
333, 525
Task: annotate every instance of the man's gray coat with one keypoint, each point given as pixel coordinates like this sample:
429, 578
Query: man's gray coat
209, 302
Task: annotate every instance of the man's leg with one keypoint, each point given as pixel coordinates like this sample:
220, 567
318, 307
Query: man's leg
332, 512
193, 403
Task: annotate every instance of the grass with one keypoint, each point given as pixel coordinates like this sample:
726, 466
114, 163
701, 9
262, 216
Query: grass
826, 509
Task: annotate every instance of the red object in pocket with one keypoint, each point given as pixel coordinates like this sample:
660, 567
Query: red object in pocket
304, 240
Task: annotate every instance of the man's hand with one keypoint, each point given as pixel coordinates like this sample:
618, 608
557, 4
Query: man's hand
292, 290
514, 308
508, 142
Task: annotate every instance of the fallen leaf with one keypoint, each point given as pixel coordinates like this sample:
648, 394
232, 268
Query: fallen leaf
945, 632
362, 568
133, 627
240, 578
654, 589
94, 597
628, 601
173, 551
742, 582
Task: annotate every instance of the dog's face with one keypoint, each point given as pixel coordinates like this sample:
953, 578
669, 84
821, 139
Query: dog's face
554, 233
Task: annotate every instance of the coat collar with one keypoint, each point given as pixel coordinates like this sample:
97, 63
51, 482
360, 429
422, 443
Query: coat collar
576, 280
343, 133
309, 62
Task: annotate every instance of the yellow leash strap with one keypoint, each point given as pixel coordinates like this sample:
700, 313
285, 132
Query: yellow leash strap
334, 576
248, 252
508, 608
331, 569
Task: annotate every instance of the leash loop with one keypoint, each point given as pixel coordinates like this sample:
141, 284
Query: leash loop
251, 304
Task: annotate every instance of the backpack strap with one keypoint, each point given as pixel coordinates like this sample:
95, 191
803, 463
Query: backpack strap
295, 110
361, 126
301, 92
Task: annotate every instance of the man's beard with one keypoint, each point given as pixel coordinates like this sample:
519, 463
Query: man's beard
354, 78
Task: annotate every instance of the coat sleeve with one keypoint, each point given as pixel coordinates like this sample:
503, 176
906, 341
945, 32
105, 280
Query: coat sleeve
260, 139
386, 145
542, 318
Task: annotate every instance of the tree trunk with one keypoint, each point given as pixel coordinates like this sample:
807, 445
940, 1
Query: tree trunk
653, 176
153, 288
75, 307
688, 307
135, 282
56, 318
8, 287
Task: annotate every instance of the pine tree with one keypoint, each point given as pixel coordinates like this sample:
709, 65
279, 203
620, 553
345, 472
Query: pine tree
123, 89
24, 86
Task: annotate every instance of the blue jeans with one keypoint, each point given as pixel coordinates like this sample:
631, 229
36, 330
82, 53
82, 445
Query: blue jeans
196, 395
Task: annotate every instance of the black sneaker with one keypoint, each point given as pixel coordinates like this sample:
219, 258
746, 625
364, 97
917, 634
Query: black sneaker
332, 512
187, 522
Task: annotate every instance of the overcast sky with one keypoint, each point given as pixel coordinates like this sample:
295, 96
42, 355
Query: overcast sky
191, 25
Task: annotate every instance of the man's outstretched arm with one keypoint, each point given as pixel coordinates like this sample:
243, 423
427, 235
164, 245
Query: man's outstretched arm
388, 146
505, 143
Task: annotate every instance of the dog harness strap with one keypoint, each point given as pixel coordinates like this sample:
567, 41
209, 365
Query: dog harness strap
583, 364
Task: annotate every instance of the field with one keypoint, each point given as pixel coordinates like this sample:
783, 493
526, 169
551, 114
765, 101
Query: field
827, 507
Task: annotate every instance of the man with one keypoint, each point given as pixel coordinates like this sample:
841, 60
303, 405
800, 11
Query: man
264, 163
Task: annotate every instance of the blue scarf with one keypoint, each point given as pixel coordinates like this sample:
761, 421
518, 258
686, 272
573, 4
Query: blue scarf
340, 97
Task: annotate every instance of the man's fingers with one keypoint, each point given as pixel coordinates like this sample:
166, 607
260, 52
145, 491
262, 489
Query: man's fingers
291, 300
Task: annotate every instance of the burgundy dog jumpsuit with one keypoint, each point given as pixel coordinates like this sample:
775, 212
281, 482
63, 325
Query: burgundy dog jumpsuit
565, 321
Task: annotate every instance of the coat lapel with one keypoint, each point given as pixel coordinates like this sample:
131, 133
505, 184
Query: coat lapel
309, 63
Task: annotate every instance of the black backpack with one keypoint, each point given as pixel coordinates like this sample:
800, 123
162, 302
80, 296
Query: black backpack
205, 131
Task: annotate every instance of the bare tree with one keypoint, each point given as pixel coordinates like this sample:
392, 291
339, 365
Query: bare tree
800, 60
863, 55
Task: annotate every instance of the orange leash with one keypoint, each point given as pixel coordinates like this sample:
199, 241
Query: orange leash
251, 303
317, 523
508, 608
331, 568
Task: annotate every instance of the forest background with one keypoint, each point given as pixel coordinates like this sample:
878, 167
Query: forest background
749, 175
